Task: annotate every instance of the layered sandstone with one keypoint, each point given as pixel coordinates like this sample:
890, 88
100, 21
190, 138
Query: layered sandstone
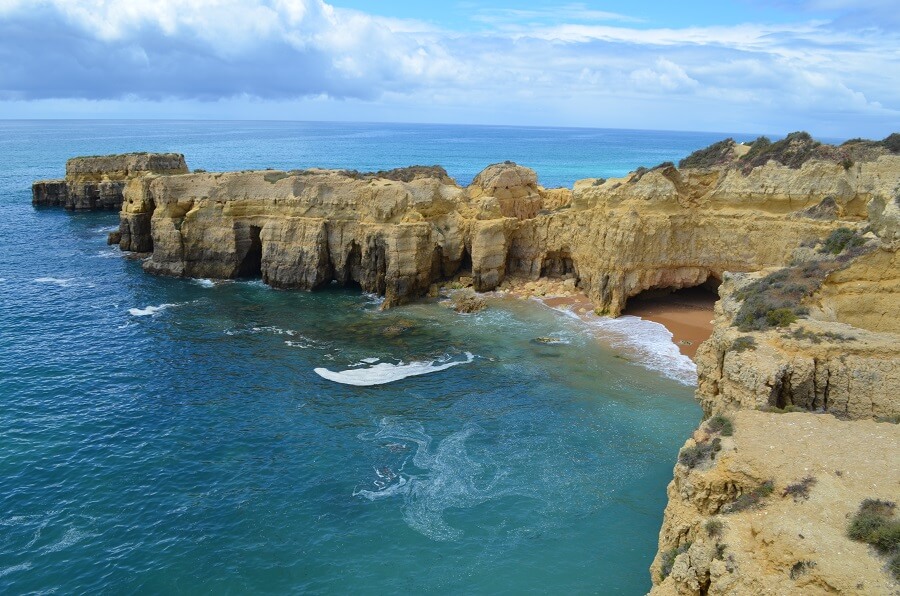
788, 542
396, 233
814, 406
97, 183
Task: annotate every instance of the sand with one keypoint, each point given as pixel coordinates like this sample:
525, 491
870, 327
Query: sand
687, 314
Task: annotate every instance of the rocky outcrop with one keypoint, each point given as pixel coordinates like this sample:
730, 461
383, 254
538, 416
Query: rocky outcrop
97, 183
397, 232
810, 390
812, 365
769, 514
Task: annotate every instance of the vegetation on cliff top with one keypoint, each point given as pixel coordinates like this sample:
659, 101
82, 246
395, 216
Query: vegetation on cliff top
874, 524
775, 300
717, 154
792, 151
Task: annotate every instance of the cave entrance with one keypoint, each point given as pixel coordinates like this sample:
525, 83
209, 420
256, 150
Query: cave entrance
686, 313
251, 264
558, 263
465, 263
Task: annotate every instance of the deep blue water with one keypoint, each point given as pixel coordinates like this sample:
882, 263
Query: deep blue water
195, 450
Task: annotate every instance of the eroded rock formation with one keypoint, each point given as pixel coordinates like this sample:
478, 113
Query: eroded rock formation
97, 183
810, 391
395, 233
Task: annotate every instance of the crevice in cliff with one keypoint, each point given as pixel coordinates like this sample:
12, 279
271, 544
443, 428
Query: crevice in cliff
251, 264
465, 263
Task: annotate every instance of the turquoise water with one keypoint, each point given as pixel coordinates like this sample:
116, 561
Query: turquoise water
172, 436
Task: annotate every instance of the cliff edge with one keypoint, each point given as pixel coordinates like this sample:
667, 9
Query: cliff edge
398, 232
790, 485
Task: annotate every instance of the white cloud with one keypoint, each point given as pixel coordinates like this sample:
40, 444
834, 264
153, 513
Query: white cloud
527, 64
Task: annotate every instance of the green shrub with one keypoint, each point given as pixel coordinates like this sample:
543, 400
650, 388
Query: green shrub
752, 499
874, 524
743, 343
840, 240
799, 491
720, 424
894, 565
780, 317
758, 146
713, 527
667, 561
699, 453
792, 151
892, 142
716, 154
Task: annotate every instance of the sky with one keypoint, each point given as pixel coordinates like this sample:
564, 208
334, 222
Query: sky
831, 67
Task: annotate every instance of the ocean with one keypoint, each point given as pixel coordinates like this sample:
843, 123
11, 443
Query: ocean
193, 436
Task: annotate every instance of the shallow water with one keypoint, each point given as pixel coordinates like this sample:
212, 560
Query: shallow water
164, 435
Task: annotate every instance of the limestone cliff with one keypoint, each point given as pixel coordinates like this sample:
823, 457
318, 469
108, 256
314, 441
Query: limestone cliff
395, 233
97, 183
803, 365
769, 515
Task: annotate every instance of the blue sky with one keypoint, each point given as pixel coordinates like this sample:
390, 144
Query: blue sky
828, 66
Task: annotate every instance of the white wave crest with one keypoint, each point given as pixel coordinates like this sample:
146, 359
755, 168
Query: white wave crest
380, 374
149, 311
205, 283
651, 342
13, 568
58, 281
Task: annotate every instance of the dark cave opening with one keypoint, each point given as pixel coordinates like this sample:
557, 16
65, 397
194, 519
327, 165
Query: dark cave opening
251, 264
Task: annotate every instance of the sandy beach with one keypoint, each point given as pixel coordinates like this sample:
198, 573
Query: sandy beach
687, 314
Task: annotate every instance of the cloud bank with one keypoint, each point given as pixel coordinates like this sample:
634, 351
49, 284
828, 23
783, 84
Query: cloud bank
567, 66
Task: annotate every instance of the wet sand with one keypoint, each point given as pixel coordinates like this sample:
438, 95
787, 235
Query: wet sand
687, 314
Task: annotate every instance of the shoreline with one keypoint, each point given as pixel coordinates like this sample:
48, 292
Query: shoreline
686, 314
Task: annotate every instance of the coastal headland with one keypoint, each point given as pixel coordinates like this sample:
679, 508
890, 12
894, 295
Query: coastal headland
798, 379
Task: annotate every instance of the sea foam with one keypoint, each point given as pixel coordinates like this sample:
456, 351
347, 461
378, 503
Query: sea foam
62, 282
651, 342
149, 310
384, 372
444, 477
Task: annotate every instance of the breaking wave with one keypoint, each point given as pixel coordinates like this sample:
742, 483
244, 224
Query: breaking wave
149, 311
384, 372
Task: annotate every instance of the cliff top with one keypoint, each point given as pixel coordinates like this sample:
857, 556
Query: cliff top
792, 151
126, 164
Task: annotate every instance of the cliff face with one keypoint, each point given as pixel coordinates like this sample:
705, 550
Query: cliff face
813, 404
728, 531
97, 183
397, 232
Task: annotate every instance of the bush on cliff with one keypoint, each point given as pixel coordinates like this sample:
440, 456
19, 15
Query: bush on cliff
699, 453
752, 499
874, 524
840, 240
775, 300
667, 561
720, 424
716, 154
792, 151
892, 142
